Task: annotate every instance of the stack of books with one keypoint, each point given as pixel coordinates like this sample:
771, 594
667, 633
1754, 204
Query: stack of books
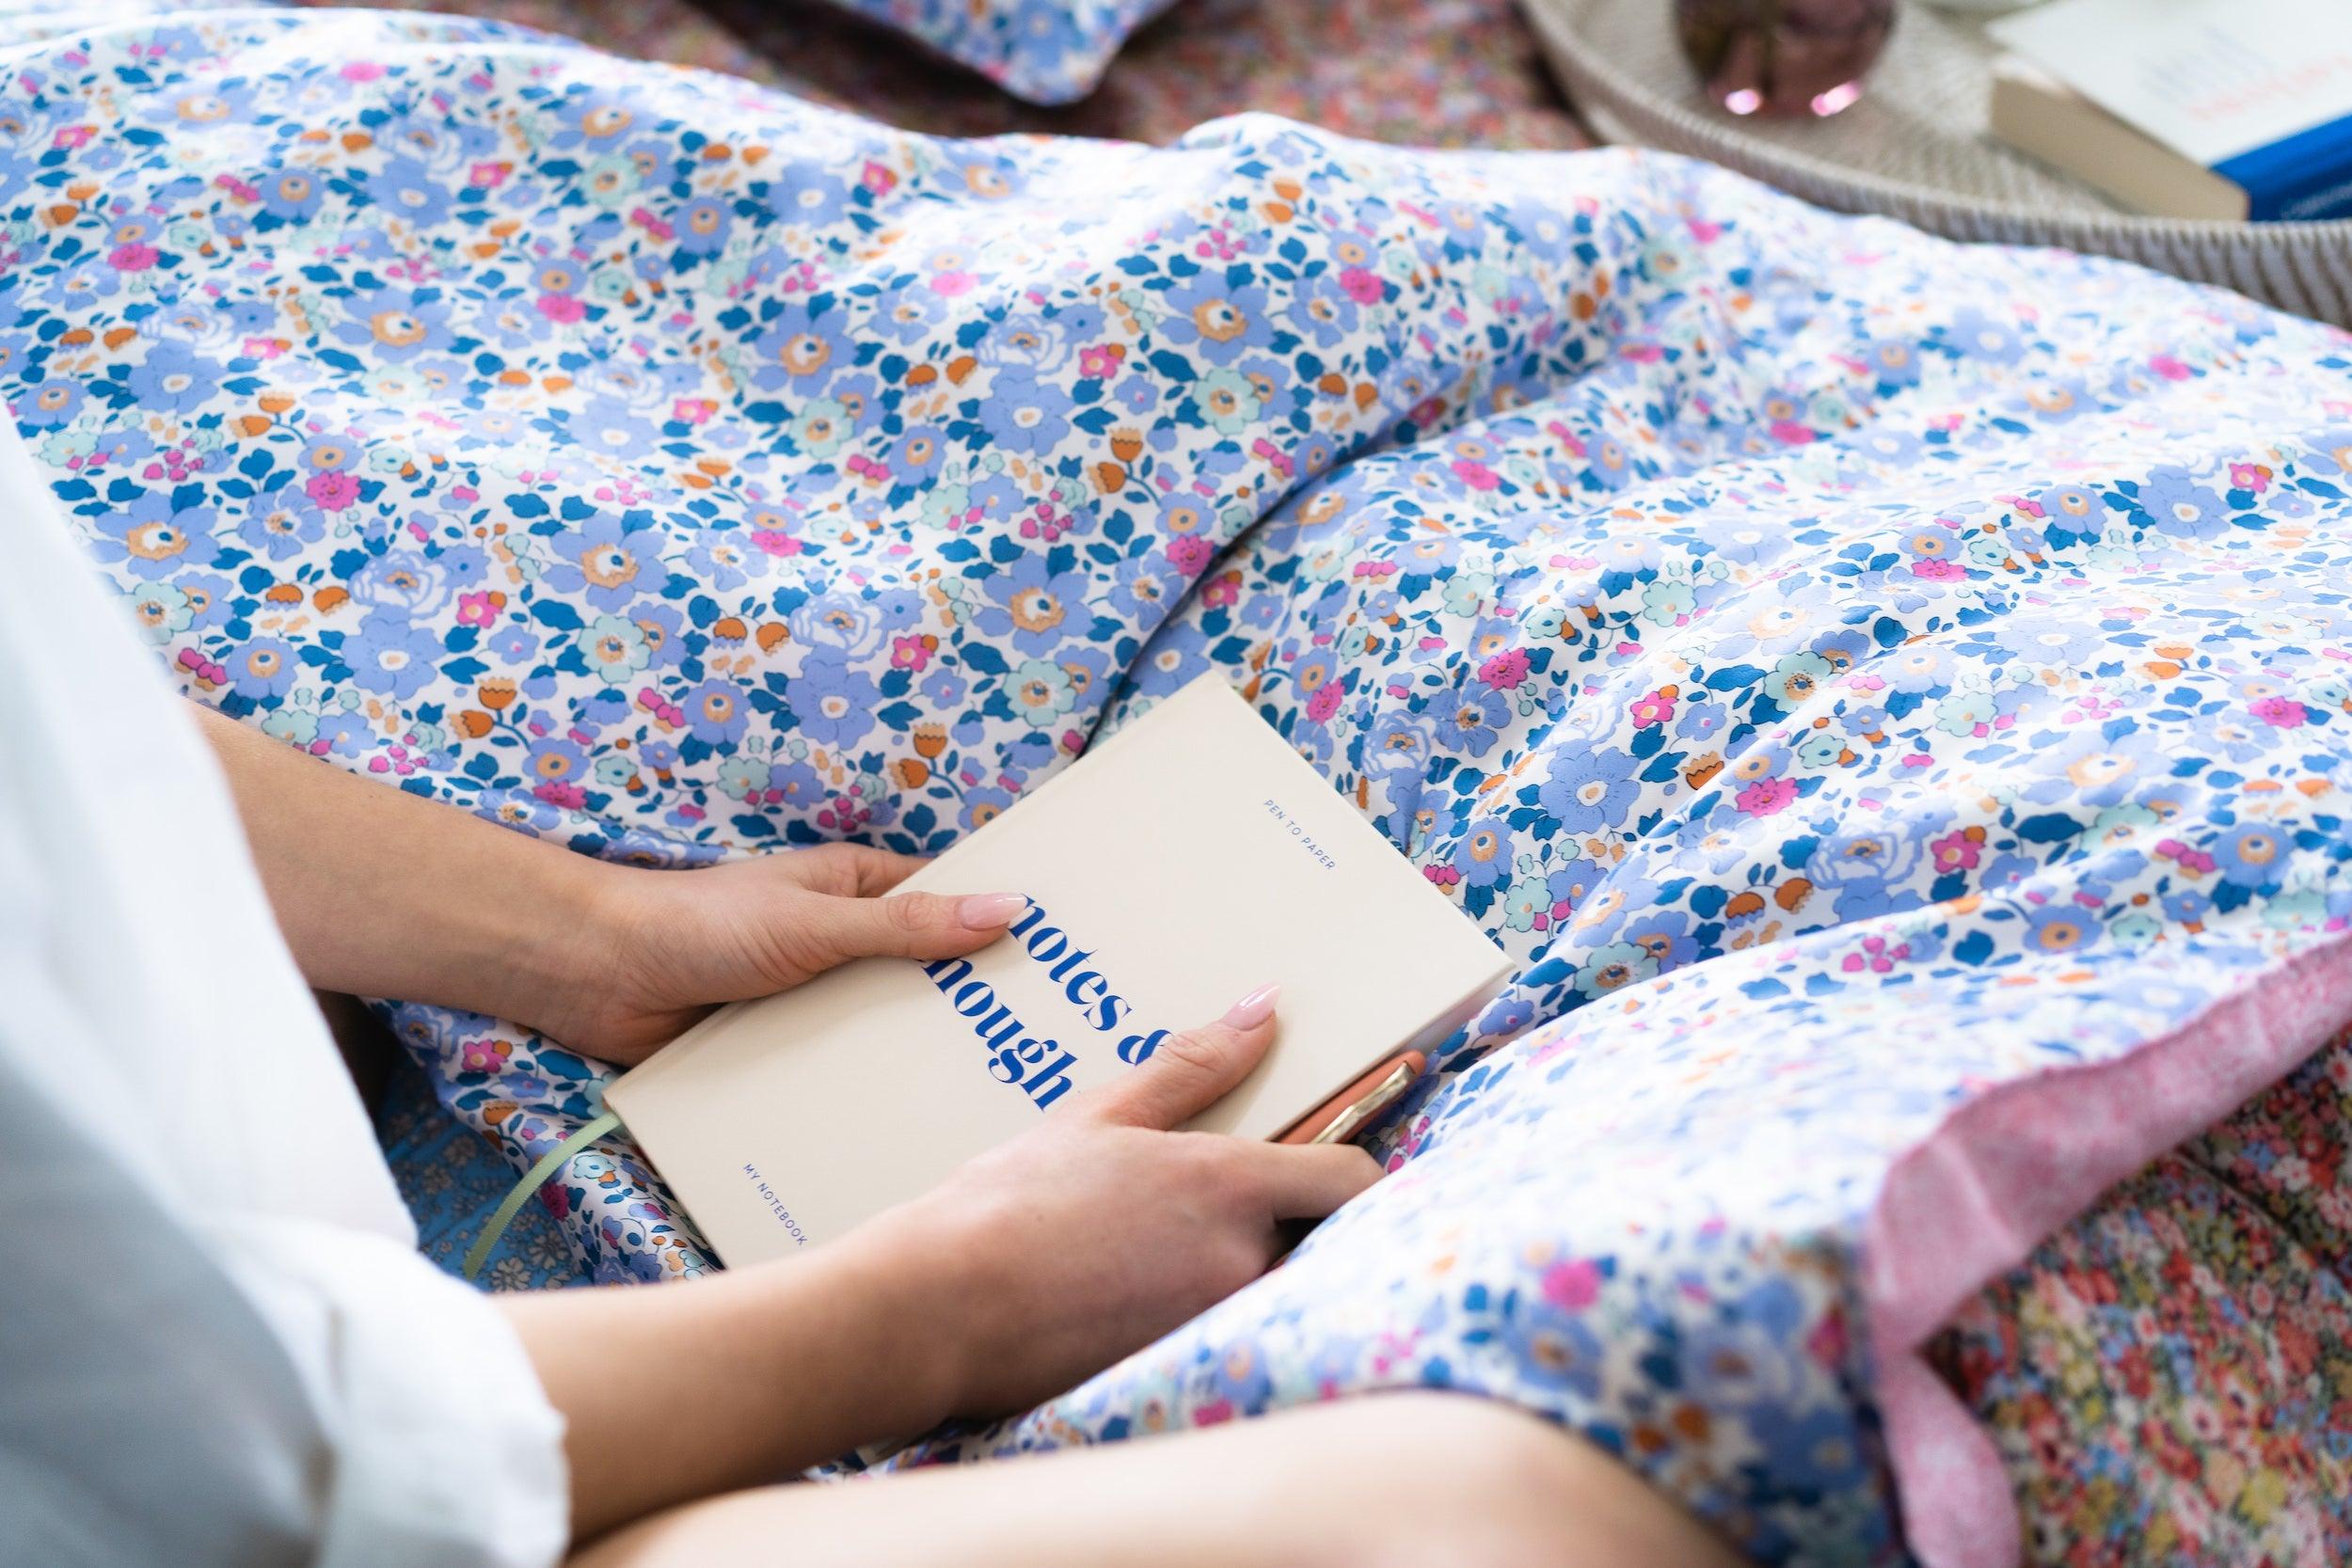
2233, 109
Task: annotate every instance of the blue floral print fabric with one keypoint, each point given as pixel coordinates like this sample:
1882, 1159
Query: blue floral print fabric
1044, 50
1866, 683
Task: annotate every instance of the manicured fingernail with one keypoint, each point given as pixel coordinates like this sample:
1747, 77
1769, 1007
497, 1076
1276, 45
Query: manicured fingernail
985, 911
1253, 1009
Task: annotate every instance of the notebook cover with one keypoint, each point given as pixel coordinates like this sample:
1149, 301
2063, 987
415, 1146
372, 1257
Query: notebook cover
1188, 859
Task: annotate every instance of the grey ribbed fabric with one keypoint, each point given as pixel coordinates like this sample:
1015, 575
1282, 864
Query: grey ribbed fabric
1915, 148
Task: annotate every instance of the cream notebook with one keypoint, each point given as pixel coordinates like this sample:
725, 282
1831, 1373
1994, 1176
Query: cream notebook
1187, 859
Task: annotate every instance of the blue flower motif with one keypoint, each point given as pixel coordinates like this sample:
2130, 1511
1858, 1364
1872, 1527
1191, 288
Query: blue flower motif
716, 712
390, 654
1589, 792
174, 378
292, 195
396, 324
405, 188
703, 226
1221, 320
1036, 608
832, 700
153, 538
1025, 413
263, 667
2252, 854
801, 351
599, 559
808, 196
1483, 855
2180, 506
1976, 335
52, 404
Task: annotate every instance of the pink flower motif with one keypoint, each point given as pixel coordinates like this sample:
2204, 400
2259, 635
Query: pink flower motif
2281, 713
1939, 571
2250, 476
562, 307
1790, 433
2194, 861
1476, 475
909, 653
131, 258
1956, 851
1443, 876
1505, 669
73, 136
569, 796
1765, 797
950, 284
333, 492
1363, 286
484, 1056
1325, 703
1221, 590
1569, 442
361, 71
1188, 552
1656, 709
877, 178
488, 174
1574, 1285
775, 542
475, 609
2169, 368
1098, 360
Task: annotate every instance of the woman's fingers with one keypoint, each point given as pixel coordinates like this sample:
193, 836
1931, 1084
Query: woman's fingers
848, 870
905, 924
1188, 1072
1308, 1181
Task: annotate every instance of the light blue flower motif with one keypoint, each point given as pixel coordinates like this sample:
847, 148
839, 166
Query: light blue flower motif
1033, 607
153, 538
833, 700
801, 351
1025, 413
263, 667
391, 655
2180, 506
599, 559
174, 378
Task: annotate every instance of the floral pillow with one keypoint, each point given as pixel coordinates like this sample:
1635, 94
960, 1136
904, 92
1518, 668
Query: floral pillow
1046, 51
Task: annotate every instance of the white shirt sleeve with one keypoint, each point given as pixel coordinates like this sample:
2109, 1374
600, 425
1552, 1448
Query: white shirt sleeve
217, 1343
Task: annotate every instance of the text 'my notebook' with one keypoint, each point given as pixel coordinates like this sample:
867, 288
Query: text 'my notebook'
1183, 861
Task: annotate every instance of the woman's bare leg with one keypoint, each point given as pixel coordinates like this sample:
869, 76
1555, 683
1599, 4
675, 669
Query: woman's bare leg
1397, 1481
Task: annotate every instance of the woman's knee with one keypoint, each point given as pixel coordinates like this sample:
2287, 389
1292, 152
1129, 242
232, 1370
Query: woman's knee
1448, 1478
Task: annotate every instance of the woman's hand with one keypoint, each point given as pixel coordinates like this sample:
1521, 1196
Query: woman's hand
1052, 1255
1027, 1271
658, 949
382, 892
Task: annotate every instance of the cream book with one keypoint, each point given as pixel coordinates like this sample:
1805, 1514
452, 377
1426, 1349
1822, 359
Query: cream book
2187, 108
1188, 859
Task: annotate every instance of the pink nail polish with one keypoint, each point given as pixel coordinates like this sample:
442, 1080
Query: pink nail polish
986, 911
1253, 1009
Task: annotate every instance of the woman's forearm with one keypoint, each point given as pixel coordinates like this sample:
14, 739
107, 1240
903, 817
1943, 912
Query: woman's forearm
381, 893
748, 1378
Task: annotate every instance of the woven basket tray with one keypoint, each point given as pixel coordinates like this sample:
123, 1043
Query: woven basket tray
1915, 148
